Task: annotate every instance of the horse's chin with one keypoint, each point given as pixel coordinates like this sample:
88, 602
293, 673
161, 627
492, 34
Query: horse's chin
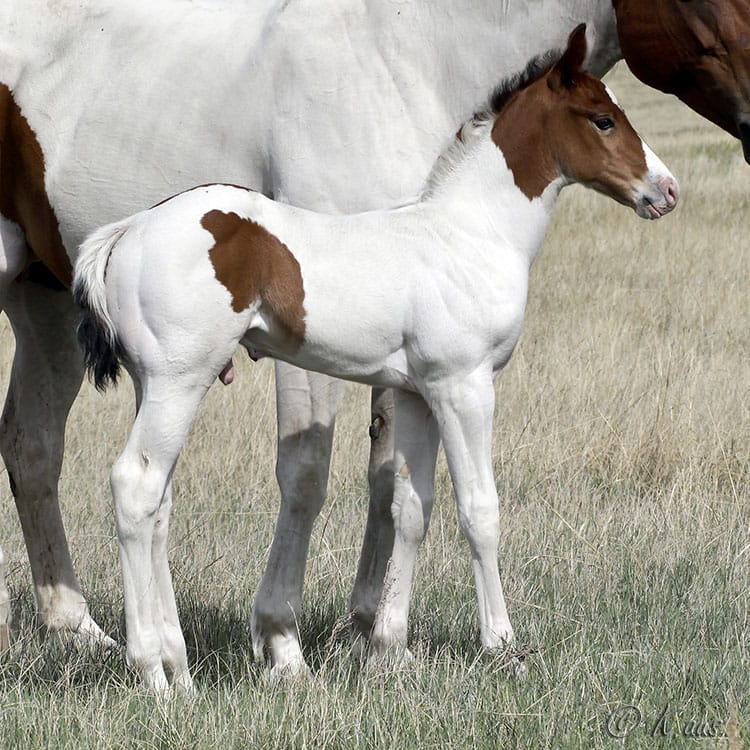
648, 211
647, 208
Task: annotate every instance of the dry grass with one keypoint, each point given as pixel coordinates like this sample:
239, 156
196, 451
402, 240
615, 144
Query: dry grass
622, 456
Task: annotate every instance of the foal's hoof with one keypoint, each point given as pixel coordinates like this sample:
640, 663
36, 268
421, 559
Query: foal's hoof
512, 661
90, 636
517, 668
95, 644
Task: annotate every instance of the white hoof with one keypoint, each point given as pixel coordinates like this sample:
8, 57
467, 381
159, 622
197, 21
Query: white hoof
90, 636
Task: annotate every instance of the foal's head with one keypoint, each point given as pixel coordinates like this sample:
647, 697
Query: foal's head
567, 124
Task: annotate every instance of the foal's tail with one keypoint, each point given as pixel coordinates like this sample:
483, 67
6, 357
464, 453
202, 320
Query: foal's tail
97, 335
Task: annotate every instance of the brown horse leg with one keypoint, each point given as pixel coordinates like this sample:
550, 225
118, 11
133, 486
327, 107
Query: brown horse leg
45, 378
4, 608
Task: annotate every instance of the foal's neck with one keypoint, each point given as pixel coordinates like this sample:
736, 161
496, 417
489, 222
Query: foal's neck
483, 194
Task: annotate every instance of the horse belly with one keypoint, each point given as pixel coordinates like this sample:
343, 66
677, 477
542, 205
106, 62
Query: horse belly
355, 332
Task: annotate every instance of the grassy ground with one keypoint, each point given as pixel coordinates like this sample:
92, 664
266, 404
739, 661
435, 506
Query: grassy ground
622, 456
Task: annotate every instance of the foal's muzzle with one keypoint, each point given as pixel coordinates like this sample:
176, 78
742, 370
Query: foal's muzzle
660, 197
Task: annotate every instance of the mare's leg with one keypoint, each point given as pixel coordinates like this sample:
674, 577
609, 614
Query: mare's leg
416, 440
307, 404
141, 488
378, 540
464, 410
13, 257
46, 376
4, 608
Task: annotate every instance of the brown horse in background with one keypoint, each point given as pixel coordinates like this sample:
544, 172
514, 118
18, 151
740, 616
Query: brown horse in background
698, 50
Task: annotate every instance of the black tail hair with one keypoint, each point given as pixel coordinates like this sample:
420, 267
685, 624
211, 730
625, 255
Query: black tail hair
102, 356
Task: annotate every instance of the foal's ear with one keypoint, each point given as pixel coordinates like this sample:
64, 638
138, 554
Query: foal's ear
572, 61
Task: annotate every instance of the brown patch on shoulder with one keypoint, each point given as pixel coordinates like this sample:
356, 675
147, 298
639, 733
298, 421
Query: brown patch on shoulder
254, 264
23, 199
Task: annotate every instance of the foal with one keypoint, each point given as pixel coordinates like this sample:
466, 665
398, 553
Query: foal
427, 299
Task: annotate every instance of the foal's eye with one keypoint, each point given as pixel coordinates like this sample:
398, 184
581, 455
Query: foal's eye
604, 123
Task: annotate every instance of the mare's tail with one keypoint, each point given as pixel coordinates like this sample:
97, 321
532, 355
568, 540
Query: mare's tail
97, 335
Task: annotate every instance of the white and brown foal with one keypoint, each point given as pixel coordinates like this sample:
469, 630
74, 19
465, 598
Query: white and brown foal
427, 299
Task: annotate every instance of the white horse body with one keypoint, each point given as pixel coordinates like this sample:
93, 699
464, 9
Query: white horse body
333, 105
245, 114
428, 299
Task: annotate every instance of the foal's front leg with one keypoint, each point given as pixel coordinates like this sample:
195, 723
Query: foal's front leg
464, 410
416, 442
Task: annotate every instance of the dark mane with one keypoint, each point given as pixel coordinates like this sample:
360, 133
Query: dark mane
536, 68
456, 151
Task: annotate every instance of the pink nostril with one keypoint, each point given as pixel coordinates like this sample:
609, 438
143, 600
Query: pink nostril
671, 190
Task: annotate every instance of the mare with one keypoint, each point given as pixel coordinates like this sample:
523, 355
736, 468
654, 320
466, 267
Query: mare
105, 107
706, 62
427, 299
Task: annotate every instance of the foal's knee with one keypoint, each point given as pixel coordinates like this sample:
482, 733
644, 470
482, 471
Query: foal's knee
138, 489
480, 522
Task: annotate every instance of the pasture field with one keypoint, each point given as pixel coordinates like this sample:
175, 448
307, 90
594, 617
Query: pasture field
622, 457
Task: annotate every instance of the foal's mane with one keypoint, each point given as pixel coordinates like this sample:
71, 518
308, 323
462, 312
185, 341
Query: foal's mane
536, 68
467, 134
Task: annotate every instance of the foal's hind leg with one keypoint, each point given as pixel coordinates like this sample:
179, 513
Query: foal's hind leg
140, 486
46, 376
416, 442
173, 650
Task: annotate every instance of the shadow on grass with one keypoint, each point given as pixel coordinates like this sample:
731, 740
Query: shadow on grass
218, 642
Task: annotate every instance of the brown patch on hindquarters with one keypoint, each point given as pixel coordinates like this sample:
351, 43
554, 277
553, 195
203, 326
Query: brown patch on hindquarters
254, 264
23, 199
